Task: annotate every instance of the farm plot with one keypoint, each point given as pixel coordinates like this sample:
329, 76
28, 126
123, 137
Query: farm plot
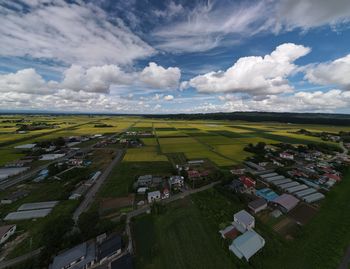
182, 232
144, 154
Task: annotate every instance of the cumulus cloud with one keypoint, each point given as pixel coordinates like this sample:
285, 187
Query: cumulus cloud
94, 79
168, 97
254, 75
336, 72
24, 81
159, 77
75, 32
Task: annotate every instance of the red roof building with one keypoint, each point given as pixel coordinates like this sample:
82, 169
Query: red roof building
333, 176
247, 181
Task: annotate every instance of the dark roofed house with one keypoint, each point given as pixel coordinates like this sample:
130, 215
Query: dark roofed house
236, 185
79, 257
258, 205
110, 247
124, 262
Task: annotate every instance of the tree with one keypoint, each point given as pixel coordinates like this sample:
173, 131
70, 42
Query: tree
87, 224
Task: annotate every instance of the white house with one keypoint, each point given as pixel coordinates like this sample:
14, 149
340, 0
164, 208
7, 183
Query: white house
153, 196
286, 155
6, 231
176, 181
243, 221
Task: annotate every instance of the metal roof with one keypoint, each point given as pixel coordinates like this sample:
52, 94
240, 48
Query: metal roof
257, 203
281, 181
270, 179
267, 194
313, 197
269, 175
288, 185
287, 201
40, 205
297, 188
302, 193
244, 217
247, 244
28, 214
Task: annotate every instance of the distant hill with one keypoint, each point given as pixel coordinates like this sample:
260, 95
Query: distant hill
309, 118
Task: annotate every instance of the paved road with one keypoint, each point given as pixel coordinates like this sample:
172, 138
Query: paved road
90, 195
8, 263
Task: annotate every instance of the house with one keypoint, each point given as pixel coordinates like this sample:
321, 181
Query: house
13, 197
176, 182
257, 205
79, 257
165, 193
145, 180
142, 190
6, 232
229, 232
332, 176
286, 202
238, 171
193, 174
287, 155
247, 182
153, 196
243, 221
236, 186
246, 245
109, 248
124, 262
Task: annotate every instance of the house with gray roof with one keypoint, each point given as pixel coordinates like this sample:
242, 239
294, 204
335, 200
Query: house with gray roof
79, 257
243, 221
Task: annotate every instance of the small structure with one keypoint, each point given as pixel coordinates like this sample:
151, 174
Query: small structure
26, 146
287, 155
246, 245
247, 182
176, 182
6, 232
12, 171
50, 157
286, 202
78, 257
243, 221
142, 190
311, 198
230, 232
165, 193
153, 196
144, 181
257, 205
109, 248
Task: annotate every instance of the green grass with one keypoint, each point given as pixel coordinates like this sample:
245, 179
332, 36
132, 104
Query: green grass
120, 181
144, 154
178, 239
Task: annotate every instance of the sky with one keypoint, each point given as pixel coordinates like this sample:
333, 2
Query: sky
167, 56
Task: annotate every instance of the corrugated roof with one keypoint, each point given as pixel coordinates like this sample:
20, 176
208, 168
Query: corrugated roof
40, 205
257, 203
28, 214
313, 197
297, 188
305, 192
287, 201
244, 217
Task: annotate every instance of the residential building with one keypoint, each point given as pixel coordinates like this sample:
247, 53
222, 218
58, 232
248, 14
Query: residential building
79, 257
243, 221
6, 232
287, 155
230, 232
153, 196
109, 248
144, 181
176, 182
246, 245
236, 186
257, 205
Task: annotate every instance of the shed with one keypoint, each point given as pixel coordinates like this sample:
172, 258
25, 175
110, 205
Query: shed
302, 193
270, 179
268, 175
288, 185
297, 188
313, 197
281, 181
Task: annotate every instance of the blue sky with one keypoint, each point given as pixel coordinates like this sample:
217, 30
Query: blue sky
175, 56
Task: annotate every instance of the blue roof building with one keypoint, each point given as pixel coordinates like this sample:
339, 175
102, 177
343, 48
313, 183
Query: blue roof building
267, 194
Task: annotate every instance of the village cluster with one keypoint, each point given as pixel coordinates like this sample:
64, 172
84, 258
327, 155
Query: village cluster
284, 178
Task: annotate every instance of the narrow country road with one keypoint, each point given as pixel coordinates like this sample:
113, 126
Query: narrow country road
90, 195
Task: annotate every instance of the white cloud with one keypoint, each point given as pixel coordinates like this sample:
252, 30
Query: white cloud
336, 72
159, 77
311, 13
79, 33
23, 81
254, 75
94, 79
168, 97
